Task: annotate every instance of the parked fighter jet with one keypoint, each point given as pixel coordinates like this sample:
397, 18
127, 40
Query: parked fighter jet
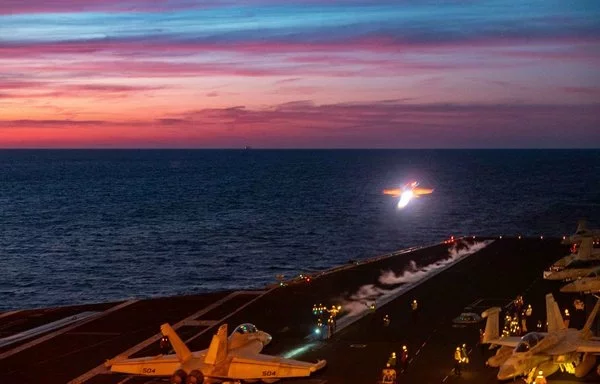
558, 348
407, 192
233, 358
585, 252
581, 233
588, 284
576, 269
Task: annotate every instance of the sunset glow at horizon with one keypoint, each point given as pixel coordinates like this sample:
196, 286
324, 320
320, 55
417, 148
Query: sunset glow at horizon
299, 74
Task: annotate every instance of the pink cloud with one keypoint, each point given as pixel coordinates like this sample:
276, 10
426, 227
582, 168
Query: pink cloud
27, 90
286, 81
375, 44
304, 124
20, 84
592, 91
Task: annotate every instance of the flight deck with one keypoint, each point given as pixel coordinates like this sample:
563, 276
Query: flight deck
356, 353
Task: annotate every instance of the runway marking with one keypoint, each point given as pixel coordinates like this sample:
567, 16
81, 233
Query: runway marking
66, 329
138, 347
32, 332
201, 323
5, 314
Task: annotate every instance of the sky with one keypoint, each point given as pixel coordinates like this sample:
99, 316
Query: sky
299, 74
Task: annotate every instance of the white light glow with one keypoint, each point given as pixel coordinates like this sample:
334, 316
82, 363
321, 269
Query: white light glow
405, 198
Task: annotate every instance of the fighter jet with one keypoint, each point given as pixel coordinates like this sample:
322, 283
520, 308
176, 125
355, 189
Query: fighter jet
235, 358
560, 347
576, 270
588, 284
407, 192
581, 233
585, 252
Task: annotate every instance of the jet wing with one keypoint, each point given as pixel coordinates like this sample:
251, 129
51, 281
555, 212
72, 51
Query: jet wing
506, 341
393, 192
589, 346
162, 365
267, 367
422, 191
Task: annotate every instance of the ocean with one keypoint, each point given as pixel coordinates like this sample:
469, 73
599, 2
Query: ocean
86, 226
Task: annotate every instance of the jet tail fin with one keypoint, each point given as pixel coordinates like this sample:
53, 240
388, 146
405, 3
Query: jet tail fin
585, 248
553, 316
592, 317
492, 325
181, 350
217, 351
581, 226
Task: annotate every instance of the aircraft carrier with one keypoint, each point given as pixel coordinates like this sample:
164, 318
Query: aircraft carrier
74, 342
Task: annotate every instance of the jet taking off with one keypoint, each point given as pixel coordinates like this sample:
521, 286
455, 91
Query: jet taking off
235, 358
560, 347
407, 192
581, 233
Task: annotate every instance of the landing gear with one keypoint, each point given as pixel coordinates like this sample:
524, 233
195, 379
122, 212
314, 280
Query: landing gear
178, 377
195, 377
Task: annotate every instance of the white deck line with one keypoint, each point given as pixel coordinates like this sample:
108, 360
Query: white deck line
9, 313
64, 330
138, 347
44, 328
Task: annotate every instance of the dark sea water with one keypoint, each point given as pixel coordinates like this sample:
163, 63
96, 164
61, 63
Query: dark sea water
89, 226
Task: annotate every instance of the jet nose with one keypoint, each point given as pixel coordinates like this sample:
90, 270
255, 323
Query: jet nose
547, 274
265, 338
507, 372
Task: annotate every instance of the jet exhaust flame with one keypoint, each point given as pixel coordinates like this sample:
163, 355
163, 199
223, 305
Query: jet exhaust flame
407, 193
368, 294
405, 198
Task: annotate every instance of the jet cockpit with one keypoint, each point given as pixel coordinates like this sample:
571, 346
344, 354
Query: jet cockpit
529, 341
245, 328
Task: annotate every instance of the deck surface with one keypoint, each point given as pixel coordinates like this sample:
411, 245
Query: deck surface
355, 354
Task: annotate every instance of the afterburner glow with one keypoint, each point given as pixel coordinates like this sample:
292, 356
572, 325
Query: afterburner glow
405, 198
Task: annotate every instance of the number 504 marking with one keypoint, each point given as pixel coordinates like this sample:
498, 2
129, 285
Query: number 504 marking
269, 373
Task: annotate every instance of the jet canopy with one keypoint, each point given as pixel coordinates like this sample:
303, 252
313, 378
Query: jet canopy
528, 341
245, 328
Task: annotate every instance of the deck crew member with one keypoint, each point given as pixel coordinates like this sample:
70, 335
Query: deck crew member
464, 354
481, 344
457, 361
392, 360
388, 375
540, 379
414, 306
386, 320
404, 358
165, 345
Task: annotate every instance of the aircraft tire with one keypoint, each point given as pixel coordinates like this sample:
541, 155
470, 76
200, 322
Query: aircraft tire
195, 377
178, 377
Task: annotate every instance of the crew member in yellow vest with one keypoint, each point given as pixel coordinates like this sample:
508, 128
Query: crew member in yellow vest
540, 379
